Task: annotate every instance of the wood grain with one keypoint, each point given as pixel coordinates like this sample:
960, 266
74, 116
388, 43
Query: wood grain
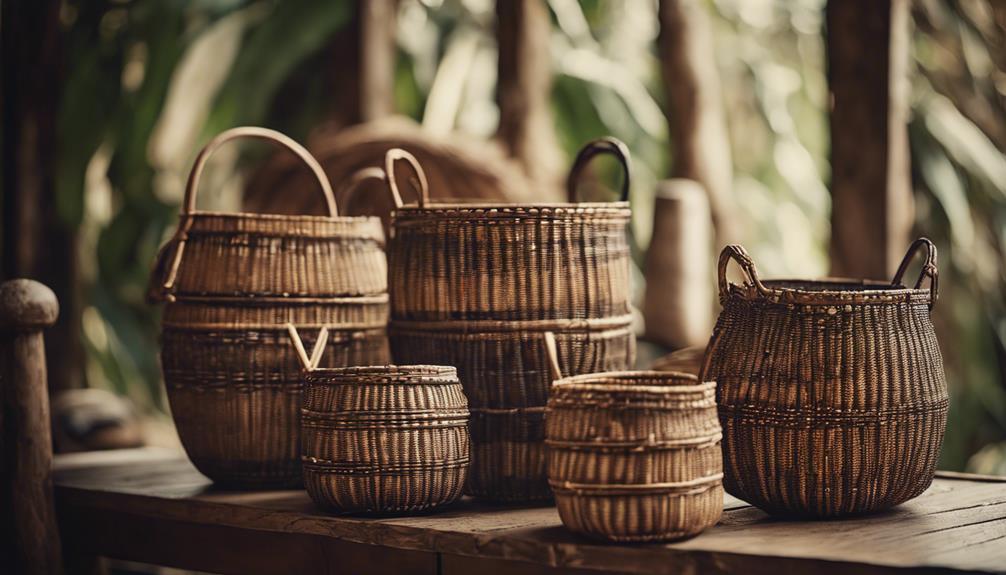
957, 525
30, 540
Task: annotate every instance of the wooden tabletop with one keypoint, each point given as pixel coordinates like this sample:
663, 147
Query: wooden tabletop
153, 506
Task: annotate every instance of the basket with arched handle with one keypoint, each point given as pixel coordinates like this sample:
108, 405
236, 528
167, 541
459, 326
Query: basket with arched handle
831, 393
474, 285
231, 282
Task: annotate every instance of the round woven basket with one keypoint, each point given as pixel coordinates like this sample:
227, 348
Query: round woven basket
383, 439
831, 393
231, 283
635, 456
475, 285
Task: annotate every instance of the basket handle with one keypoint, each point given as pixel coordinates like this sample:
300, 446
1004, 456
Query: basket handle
312, 362
419, 183
352, 187
929, 268
552, 350
738, 254
607, 145
192, 186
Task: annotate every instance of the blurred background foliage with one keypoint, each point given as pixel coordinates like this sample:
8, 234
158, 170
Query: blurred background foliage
148, 82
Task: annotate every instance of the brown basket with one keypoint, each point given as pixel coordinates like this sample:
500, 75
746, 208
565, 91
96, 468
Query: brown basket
634, 456
475, 285
383, 439
476, 261
831, 393
231, 283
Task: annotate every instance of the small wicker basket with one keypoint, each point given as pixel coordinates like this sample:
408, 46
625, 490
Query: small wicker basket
634, 456
382, 439
231, 283
831, 393
475, 285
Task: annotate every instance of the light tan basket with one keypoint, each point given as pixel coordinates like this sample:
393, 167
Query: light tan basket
475, 285
831, 393
382, 439
634, 456
231, 283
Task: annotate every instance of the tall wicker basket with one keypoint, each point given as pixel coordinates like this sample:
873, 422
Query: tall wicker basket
634, 456
231, 283
475, 285
382, 439
831, 393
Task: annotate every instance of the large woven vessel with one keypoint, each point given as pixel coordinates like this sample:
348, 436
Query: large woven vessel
383, 439
231, 283
476, 285
831, 393
634, 456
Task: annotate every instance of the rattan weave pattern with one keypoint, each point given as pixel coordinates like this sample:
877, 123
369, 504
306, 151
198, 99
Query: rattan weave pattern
476, 286
231, 283
635, 456
384, 439
832, 394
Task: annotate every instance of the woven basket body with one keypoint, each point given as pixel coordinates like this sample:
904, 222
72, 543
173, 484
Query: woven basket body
832, 394
635, 456
232, 283
476, 285
390, 439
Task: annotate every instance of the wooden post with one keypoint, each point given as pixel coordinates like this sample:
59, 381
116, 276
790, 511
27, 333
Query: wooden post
872, 205
695, 108
524, 91
30, 536
362, 67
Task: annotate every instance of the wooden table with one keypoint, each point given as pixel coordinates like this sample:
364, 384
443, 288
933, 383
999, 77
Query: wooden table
153, 506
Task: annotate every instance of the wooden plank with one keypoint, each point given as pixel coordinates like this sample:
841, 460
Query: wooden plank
929, 532
229, 550
872, 206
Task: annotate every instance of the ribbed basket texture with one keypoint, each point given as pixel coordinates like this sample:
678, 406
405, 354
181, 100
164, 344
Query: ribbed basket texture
232, 282
635, 456
391, 439
476, 285
832, 394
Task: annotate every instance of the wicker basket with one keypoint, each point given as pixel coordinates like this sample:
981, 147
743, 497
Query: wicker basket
831, 393
385, 439
231, 283
635, 456
475, 286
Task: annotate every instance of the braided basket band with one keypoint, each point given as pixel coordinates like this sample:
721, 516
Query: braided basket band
640, 445
697, 485
824, 417
325, 466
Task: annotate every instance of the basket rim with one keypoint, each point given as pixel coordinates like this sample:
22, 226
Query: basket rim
309, 218
844, 291
368, 371
476, 205
621, 382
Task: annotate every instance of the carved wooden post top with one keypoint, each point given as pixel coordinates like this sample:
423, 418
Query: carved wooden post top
26, 305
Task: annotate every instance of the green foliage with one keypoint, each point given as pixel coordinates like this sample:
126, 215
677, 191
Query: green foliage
148, 81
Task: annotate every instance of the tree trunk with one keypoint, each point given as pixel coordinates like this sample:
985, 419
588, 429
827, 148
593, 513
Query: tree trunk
872, 204
695, 108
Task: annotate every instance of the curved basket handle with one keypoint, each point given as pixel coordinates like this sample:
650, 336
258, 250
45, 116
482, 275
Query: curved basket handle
420, 182
740, 255
191, 187
312, 362
606, 145
352, 187
552, 350
929, 269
